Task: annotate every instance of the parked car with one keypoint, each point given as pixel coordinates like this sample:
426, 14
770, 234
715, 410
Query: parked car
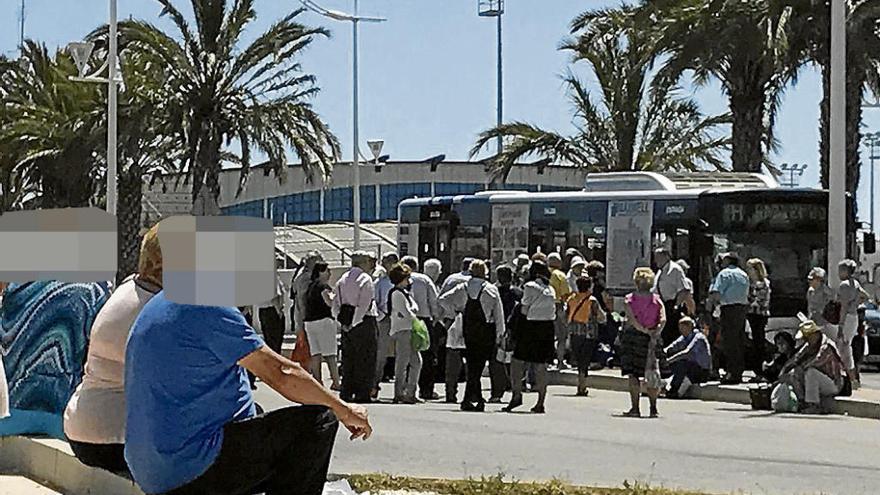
872, 328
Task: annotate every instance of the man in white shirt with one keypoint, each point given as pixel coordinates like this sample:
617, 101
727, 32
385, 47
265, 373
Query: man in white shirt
483, 328
355, 295
454, 336
668, 284
385, 345
425, 294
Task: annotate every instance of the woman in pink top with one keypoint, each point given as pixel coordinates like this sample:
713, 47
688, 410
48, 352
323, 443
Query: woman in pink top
640, 342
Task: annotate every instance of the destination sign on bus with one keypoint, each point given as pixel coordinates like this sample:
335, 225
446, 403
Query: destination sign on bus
776, 216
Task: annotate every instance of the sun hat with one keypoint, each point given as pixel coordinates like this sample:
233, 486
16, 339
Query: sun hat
578, 261
807, 328
816, 272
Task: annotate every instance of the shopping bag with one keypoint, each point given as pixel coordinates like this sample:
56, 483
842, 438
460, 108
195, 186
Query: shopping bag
421, 339
302, 353
782, 399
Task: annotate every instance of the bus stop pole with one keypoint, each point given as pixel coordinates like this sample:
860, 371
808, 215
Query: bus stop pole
837, 160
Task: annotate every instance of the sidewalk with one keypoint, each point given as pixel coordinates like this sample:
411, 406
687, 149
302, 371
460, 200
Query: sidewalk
19, 485
864, 403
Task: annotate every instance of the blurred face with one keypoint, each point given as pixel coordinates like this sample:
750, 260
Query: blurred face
324, 276
577, 270
404, 283
783, 346
371, 265
815, 282
843, 272
685, 328
813, 338
661, 259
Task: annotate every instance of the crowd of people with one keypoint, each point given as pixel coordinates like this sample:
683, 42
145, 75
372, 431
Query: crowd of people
133, 414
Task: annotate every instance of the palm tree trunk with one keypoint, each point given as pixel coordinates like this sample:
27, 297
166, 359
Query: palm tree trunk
825, 124
855, 85
747, 111
129, 220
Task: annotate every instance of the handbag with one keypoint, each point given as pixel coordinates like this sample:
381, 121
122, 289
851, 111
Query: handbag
346, 315
760, 397
302, 352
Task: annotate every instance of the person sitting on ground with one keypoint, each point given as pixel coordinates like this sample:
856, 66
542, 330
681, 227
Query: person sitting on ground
640, 342
690, 358
192, 426
402, 311
321, 328
584, 316
785, 349
94, 420
816, 371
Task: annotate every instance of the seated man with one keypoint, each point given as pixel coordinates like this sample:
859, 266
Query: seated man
689, 357
191, 421
816, 371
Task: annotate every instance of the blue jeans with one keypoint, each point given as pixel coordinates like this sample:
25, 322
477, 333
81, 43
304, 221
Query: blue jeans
690, 369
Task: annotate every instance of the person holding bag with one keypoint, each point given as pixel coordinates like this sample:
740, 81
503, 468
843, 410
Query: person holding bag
584, 316
403, 313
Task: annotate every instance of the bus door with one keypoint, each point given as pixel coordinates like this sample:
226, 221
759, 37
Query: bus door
548, 236
435, 235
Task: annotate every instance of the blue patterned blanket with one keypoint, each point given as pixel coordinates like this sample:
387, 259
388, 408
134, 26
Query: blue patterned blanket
44, 333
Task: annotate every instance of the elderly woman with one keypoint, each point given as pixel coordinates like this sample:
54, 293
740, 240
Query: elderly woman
94, 421
402, 311
818, 296
534, 339
640, 342
850, 295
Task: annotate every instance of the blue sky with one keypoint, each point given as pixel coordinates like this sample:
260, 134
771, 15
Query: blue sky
428, 74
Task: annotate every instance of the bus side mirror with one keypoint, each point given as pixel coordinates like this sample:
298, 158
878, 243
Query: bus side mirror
869, 243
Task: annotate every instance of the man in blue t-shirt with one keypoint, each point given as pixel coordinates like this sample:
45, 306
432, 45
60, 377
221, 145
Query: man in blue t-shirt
730, 290
191, 419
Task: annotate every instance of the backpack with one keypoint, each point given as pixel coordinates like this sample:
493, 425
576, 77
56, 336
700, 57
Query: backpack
478, 333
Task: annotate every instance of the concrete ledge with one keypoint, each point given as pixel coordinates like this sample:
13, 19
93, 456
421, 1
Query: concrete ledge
52, 463
713, 392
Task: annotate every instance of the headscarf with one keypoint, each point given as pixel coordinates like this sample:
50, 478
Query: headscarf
150, 260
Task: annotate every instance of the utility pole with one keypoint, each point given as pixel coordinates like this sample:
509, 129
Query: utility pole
495, 8
837, 234
21, 30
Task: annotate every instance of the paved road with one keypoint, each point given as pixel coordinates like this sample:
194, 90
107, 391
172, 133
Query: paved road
697, 445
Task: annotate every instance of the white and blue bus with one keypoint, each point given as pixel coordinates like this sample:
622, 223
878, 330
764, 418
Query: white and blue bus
619, 218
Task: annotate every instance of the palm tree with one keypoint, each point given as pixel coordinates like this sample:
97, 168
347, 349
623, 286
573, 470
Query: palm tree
631, 128
812, 22
256, 97
50, 132
743, 44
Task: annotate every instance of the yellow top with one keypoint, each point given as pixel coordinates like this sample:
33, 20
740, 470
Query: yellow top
559, 282
580, 307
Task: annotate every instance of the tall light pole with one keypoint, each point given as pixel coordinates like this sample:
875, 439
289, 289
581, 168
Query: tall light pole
495, 8
355, 19
81, 51
873, 140
837, 160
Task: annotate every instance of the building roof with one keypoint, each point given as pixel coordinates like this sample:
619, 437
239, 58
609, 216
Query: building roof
335, 240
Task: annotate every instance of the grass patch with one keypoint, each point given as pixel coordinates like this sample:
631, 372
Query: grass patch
497, 485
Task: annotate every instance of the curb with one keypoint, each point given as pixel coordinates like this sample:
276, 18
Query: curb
712, 392
51, 463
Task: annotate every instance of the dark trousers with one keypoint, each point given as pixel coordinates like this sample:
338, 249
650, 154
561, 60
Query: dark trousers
454, 363
110, 456
283, 452
670, 332
477, 360
272, 326
499, 375
758, 324
359, 360
733, 338
429, 363
685, 368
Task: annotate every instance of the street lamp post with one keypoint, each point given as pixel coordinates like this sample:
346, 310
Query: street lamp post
355, 19
873, 140
495, 8
81, 51
837, 160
